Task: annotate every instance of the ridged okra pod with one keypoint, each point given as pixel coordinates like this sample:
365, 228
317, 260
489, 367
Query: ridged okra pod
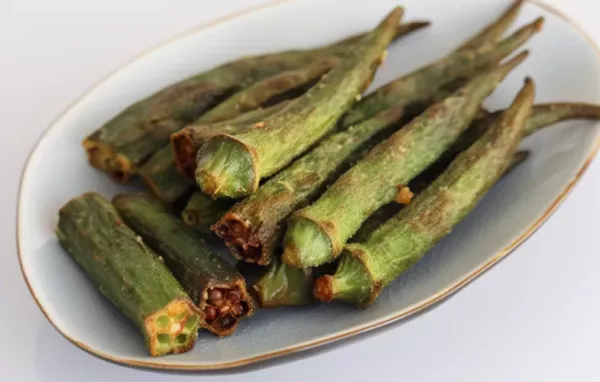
214, 285
128, 273
262, 91
253, 228
316, 234
366, 268
423, 84
125, 142
202, 211
232, 166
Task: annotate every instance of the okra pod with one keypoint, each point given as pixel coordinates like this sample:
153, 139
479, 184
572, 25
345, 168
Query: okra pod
214, 285
253, 228
283, 285
495, 30
366, 268
316, 234
416, 186
186, 142
201, 211
423, 84
262, 91
161, 177
127, 141
160, 173
128, 273
232, 166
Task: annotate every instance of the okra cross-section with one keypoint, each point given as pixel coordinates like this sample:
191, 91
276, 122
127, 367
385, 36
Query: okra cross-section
214, 285
316, 234
128, 273
366, 268
232, 166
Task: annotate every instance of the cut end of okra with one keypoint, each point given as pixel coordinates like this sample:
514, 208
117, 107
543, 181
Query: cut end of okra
306, 244
236, 234
223, 307
184, 153
226, 168
172, 329
350, 283
103, 157
283, 285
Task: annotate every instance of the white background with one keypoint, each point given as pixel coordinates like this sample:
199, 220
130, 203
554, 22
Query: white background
534, 317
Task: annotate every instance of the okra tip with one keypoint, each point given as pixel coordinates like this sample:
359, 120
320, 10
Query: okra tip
226, 168
323, 288
306, 244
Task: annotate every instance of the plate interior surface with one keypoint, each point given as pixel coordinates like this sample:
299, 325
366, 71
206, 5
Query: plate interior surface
58, 170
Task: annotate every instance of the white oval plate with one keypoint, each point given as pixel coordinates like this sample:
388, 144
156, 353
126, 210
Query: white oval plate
564, 65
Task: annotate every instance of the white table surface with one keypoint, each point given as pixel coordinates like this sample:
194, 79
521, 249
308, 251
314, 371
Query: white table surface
534, 317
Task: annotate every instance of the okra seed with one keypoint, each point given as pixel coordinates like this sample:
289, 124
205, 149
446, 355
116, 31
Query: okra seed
215, 295
210, 313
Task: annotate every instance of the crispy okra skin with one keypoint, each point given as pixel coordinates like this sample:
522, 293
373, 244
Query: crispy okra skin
187, 141
259, 93
214, 285
253, 228
202, 211
232, 166
423, 84
125, 142
494, 31
283, 285
366, 268
317, 234
128, 273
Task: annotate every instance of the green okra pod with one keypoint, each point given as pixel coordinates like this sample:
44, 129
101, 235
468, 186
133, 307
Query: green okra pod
366, 268
316, 234
253, 228
232, 166
283, 285
186, 142
262, 91
214, 285
202, 211
422, 85
125, 142
128, 273
493, 32
161, 177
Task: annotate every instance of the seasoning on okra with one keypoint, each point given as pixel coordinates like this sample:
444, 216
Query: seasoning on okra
253, 228
128, 273
366, 268
232, 166
128, 140
214, 285
317, 234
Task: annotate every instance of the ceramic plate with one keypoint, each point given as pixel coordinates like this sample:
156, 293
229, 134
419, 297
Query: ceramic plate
563, 62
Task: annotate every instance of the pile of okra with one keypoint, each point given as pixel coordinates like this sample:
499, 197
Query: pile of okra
320, 190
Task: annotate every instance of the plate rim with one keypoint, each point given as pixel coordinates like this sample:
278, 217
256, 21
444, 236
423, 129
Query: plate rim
436, 298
